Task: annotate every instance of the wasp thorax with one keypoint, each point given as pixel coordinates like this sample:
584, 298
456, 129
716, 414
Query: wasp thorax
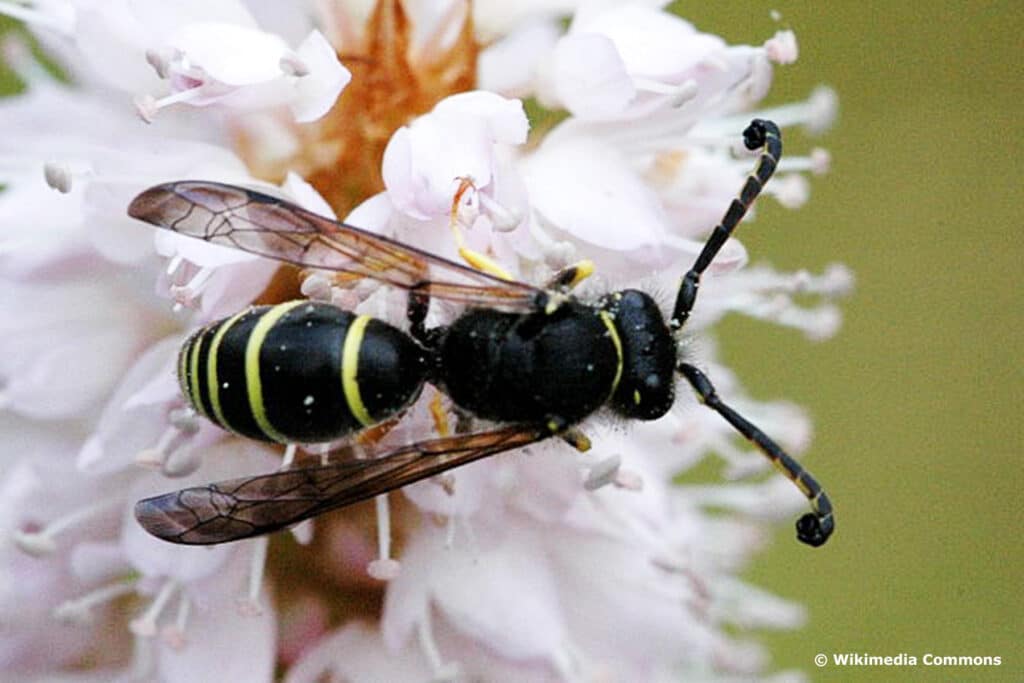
646, 389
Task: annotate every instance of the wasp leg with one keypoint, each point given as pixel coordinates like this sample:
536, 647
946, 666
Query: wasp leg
571, 275
438, 415
813, 528
576, 439
759, 133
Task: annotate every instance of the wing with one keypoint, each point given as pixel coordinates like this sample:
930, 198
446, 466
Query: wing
266, 226
239, 508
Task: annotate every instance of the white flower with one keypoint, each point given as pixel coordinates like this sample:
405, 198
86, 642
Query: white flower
537, 564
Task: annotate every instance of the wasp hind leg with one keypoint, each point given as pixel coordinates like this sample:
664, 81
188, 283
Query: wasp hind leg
813, 528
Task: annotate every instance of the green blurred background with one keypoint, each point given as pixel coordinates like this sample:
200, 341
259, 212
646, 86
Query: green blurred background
916, 402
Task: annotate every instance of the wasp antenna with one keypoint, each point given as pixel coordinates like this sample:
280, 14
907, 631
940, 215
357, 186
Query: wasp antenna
813, 528
760, 133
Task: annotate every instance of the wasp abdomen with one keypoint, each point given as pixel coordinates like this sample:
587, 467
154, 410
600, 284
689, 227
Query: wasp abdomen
299, 372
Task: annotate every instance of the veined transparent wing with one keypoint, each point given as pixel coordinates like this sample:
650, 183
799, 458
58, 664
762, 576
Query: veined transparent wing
267, 226
249, 506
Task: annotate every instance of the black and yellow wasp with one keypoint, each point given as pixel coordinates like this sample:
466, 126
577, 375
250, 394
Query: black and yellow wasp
534, 360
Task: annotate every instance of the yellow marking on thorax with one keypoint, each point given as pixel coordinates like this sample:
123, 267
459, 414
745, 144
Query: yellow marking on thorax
349, 368
609, 322
253, 383
212, 381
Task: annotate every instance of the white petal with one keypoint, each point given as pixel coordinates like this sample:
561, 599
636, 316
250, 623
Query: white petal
229, 53
585, 188
502, 595
509, 66
317, 91
218, 638
305, 195
651, 42
590, 78
356, 653
504, 118
123, 430
65, 345
113, 42
424, 162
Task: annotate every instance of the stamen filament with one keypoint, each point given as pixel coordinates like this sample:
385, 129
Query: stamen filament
250, 606
43, 542
79, 610
145, 625
384, 568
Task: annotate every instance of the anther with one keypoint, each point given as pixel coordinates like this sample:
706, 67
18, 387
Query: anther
58, 176
782, 47
503, 218
791, 190
603, 473
317, 287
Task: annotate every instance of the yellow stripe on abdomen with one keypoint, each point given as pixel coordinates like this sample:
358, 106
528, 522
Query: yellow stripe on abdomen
349, 368
253, 383
212, 381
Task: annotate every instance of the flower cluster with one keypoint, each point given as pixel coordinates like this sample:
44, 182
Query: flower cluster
540, 564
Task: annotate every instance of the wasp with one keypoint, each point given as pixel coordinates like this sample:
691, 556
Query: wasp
533, 360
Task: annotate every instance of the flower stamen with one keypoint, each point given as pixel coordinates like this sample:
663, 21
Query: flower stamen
174, 634
186, 295
169, 454
384, 568
677, 94
250, 606
428, 645
79, 610
610, 471
147, 106
145, 625
43, 542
